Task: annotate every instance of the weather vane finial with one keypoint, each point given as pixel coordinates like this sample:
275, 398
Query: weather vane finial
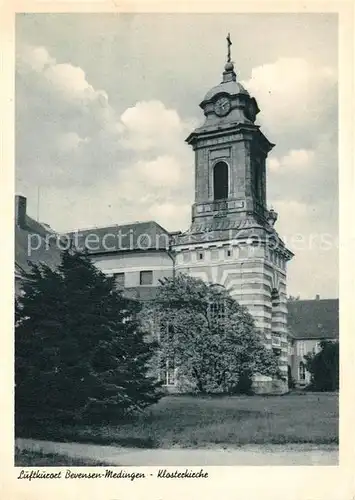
229, 42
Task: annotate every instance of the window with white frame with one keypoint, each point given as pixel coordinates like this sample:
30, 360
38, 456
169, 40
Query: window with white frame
200, 255
119, 280
216, 311
228, 252
302, 371
186, 256
317, 348
301, 348
146, 278
214, 254
276, 351
170, 372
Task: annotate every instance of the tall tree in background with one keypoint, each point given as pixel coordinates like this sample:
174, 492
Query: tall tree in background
324, 367
209, 336
79, 351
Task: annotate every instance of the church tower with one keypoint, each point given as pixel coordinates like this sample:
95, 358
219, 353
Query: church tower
232, 240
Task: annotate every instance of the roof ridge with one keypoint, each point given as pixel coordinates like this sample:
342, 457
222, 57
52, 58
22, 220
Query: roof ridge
135, 223
311, 300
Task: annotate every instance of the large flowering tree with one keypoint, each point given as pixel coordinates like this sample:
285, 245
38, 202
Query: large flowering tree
208, 336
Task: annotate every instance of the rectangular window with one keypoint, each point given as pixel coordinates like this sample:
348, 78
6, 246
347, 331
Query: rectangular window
276, 351
200, 255
146, 278
216, 311
276, 341
228, 252
170, 372
302, 372
317, 348
186, 256
119, 280
301, 348
214, 254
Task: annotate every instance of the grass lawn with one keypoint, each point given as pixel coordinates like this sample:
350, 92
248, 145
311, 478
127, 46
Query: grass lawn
24, 458
189, 421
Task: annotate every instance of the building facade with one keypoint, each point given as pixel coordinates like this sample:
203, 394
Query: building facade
309, 323
32, 244
232, 240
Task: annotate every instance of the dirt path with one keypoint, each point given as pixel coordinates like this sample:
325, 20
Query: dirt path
303, 454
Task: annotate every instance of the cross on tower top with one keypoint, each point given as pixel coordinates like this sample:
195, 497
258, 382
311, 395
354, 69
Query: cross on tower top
229, 74
229, 43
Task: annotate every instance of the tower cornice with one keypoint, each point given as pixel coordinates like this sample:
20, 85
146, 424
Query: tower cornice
225, 130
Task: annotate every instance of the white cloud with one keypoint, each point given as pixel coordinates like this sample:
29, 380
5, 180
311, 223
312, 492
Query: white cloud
162, 171
314, 242
61, 77
70, 141
70, 80
138, 162
295, 159
34, 58
146, 118
173, 216
149, 124
291, 92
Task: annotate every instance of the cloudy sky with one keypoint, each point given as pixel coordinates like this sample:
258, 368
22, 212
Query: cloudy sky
104, 103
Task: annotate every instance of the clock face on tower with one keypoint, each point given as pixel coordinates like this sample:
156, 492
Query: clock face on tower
222, 106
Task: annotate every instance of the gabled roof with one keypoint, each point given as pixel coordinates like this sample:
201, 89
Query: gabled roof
26, 244
313, 319
136, 236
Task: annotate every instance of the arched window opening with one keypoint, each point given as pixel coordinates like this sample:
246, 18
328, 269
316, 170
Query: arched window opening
216, 311
220, 181
217, 305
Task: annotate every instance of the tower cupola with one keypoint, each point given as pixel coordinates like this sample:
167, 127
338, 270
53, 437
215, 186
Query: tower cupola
230, 155
229, 101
